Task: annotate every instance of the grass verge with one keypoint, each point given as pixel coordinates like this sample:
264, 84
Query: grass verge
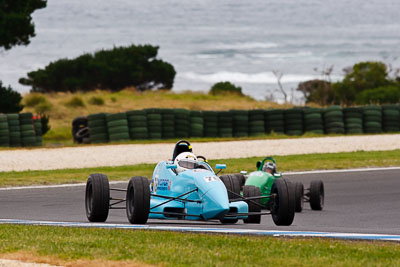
62, 245
285, 163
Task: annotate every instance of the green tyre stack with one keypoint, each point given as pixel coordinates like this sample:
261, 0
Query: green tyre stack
117, 126
196, 123
256, 122
333, 120
37, 125
353, 120
14, 129
98, 129
293, 121
274, 121
225, 124
182, 123
372, 118
240, 123
137, 122
313, 122
391, 118
28, 136
4, 131
154, 123
210, 123
168, 123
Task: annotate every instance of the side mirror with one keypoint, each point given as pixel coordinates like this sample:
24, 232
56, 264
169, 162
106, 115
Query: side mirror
243, 172
258, 164
172, 166
220, 166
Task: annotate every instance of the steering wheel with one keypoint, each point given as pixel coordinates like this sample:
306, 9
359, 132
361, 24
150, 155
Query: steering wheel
203, 158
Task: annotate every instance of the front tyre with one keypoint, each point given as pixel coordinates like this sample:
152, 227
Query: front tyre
252, 191
299, 188
283, 202
138, 200
317, 195
97, 197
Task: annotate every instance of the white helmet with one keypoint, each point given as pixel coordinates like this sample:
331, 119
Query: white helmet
185, 161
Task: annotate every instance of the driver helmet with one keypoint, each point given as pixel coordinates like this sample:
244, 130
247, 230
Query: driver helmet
269, 165
184, 156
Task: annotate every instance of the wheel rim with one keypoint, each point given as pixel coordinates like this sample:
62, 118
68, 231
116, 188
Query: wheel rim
130, 201
89, 198
321, 196
275, 203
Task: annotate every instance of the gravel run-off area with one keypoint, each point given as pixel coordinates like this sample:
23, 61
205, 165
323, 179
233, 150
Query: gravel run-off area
15, 263
130, 154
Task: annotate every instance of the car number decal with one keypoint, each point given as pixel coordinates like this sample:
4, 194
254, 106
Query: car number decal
211, 179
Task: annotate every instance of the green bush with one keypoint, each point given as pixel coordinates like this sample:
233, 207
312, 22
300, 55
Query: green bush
380, 95
106, 69
34, 99
96, 100
317, 91
75, 102
225, 87
10, 100
45, 124
363, 76
43, 107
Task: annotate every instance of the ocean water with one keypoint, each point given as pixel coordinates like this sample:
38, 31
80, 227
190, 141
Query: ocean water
210, 41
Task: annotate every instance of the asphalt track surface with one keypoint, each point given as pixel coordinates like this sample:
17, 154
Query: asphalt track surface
355, 202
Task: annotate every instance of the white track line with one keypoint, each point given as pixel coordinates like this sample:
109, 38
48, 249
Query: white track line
285, 173
352, 236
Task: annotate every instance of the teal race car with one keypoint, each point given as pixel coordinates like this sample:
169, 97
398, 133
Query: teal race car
263, 179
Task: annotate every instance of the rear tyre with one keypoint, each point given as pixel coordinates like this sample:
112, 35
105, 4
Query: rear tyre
241, 179
283, 203
252, 191
233, 187
97, 198
138, 200
299, 187
317, 195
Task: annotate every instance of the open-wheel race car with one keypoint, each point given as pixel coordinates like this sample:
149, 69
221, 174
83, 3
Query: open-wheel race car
266, 176
185, 188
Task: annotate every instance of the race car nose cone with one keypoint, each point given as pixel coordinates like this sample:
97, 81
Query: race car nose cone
216, 204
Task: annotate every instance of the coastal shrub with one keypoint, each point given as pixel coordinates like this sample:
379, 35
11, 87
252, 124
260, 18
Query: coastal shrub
32, 100
317, 91
75, 102
43, 107
45, 123
225, 87
10, 100
380, 95
112, 69
96, 100
363, 76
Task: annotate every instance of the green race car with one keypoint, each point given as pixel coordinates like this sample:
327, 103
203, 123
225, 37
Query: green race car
265, 175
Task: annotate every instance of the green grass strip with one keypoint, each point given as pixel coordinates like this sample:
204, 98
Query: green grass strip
187, 249
285, 163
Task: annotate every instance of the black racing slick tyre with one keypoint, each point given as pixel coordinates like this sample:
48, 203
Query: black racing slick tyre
97, 198
283, 202
317, 195
138, 200
252, 191
232, 185
299, 189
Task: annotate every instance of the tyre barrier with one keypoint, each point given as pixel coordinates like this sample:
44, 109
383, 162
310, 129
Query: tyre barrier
313, 121
240, 123
274, 121
256, 122
18, 130
372, 119
117, 125
181, 123
353, 120
196, 123
98, 130
225, 124
293, 121
333, 120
